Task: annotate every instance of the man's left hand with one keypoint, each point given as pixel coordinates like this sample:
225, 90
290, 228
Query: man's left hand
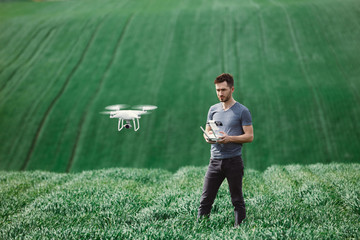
224, 138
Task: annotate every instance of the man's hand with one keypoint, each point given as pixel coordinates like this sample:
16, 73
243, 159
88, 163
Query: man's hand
224, 138
208, 140
247, 137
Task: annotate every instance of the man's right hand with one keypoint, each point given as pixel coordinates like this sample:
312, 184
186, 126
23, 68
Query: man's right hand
207, 139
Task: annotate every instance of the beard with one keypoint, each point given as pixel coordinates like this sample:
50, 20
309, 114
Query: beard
224, 98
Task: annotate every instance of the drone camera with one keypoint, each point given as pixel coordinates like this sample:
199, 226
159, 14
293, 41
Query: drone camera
127, 126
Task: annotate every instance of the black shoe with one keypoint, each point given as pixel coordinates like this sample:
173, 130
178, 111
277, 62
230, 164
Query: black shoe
238, 218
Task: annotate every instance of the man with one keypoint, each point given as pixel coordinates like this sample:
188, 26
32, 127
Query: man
235, 127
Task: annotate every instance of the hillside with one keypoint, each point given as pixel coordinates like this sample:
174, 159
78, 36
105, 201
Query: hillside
61, 62
292, 202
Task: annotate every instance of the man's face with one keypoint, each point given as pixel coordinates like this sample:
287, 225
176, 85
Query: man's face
223, 91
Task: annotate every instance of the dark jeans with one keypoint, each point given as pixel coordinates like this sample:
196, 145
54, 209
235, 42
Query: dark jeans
233, 170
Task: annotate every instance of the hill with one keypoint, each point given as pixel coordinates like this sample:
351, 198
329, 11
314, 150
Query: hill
284, 202
61, 62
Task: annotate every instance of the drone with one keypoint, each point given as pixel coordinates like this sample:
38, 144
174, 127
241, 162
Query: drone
116, 111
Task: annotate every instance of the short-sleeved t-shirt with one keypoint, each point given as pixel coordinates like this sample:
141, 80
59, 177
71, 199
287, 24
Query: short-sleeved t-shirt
232, 121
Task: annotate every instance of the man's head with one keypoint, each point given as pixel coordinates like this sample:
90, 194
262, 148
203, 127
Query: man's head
224, 85
225, 77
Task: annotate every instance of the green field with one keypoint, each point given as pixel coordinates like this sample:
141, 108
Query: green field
292, 202
296, 65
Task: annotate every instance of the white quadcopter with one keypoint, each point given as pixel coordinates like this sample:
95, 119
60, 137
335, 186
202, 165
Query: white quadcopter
128, 115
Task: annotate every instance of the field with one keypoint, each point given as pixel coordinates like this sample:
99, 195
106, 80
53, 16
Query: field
296, 67
66, 173
284, 202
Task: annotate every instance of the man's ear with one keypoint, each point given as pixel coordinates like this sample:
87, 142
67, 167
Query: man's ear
232, 89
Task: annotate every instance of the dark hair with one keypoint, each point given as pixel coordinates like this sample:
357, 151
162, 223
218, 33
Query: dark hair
225, 77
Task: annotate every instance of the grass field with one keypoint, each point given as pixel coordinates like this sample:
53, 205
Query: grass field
61, 62
284, 202
296, 67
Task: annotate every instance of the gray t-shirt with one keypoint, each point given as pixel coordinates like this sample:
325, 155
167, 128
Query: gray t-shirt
232, 121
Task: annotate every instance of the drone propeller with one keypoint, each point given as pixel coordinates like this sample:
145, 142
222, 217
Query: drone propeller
108, 112
146, 107
116, 107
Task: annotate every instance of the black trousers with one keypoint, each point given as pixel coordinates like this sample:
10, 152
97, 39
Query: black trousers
233, 170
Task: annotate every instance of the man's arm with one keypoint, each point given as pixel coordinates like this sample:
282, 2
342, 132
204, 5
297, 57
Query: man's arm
207, 130
247, 137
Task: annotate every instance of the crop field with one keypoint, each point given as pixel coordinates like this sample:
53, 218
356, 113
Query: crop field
296, 66
67, 173
284, 202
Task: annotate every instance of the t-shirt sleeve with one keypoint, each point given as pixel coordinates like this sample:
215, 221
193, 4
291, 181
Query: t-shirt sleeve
210, 115
246, 118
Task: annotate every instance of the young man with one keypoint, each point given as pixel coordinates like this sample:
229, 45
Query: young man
235, 127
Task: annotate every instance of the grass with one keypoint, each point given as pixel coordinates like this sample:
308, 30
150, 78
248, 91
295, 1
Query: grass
62, 62
284, 202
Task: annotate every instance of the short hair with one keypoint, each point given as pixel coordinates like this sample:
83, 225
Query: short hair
225, 77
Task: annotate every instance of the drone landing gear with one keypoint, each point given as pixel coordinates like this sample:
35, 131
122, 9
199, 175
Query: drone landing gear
128, 125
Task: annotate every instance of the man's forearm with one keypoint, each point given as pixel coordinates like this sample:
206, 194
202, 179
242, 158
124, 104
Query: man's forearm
245, 138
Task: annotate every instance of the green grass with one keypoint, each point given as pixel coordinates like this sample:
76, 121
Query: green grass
295, 63
61, 62
284, 202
